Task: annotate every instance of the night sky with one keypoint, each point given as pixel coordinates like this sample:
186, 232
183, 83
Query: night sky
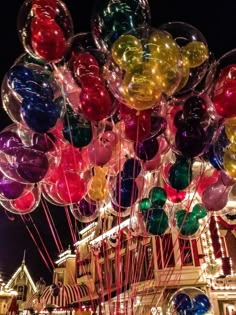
218, 25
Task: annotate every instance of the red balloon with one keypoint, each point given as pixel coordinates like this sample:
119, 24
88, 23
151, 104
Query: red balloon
174, 195
24, 203
48, 40
138, 127
95, 103
224, 98
85, 64
42, 8
72, 159
70, 187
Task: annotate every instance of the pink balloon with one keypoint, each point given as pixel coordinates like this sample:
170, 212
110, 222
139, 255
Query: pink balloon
98, 154
152, 164
109, 138
215, 196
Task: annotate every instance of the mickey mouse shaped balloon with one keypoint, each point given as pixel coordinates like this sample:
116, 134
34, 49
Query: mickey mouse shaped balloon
154, 216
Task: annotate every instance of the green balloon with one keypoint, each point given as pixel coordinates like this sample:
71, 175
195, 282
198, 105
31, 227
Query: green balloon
157, 222
180, 174
158, 196
200, 211
187, 223
76, 129
144, 205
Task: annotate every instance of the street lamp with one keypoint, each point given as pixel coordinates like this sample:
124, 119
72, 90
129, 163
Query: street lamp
40, 286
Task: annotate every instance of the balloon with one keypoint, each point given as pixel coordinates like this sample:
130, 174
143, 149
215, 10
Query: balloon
24, 203
112, 19
180, 174
201, 304
187, 222
157, 221
215, 196
43, 8
193, 46
127, 52
191, 140
109, 138
126, 192
182, 303
9, 142
206, 179
194, 109
40, 114
145, 205
10, 189
47, 40
174, 195
139, 90
224, 95
196, 52
158, 196
31, 165
229, 161
70, 187
45, 29
43, 142
131, 168
98, 153
147, 149
76, 129
85, 64
138, 127
84, 211
95, 103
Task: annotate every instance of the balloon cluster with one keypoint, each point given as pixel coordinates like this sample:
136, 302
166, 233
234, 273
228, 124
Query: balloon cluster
105, 119
189, 301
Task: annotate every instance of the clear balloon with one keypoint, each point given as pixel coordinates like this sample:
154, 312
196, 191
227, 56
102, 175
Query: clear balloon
45, 34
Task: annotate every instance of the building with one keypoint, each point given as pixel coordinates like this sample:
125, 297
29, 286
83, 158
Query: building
18, 289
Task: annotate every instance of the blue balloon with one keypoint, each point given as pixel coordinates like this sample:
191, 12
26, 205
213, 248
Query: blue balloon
40, 114
27, 82
126, 192
131, 168
201, 304
20, 75
182, 303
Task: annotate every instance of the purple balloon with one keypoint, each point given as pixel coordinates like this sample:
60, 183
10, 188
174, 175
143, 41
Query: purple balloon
9, 188
9, 142
31, 165
147, 149
43, 142
86, 209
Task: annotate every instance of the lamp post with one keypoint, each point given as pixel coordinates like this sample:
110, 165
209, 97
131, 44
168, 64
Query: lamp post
40, 286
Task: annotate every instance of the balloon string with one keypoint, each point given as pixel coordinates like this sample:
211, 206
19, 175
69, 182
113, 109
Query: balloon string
51, 226
35, 242
73, 236
42, 242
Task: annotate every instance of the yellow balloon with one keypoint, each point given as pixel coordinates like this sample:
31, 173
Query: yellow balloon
171, 78
164, 51
185, 73
139, 90
127, 52
230, 129
229, 162
196, 52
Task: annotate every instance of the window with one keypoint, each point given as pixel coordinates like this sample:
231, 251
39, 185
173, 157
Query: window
21, 292
165, 251
185, 252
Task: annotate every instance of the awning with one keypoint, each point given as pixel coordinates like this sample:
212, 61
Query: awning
68, 294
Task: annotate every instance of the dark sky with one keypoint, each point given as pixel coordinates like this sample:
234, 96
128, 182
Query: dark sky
218, 25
